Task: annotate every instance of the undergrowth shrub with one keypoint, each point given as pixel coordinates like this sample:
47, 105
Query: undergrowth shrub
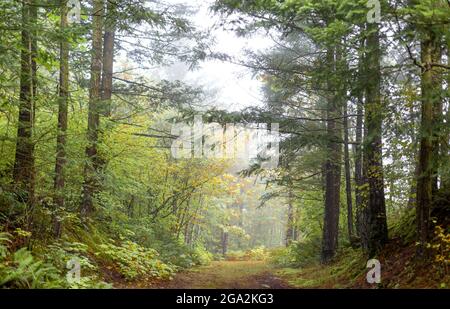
235, 255
404, 227
172, 250
60, 253
200, 255
134, 261
25, 269
440, 248
297, 254
20, 269
255, 254
350, 263
183, 256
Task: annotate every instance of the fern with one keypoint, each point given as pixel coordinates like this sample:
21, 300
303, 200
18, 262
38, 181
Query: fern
4, 240
23, 271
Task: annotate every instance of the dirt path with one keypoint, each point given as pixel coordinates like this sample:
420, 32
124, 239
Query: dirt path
227, 275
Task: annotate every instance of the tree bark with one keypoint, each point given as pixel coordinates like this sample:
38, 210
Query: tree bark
348, 180
358, 165
90, 171
430, 98
364, 190
359, 182
290, 228
224, 242
23, 173
108, 58
445, 146
333, 173
376, 212
438, 122
59, 183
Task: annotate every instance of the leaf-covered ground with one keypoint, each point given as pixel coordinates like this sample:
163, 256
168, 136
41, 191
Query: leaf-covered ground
227, 275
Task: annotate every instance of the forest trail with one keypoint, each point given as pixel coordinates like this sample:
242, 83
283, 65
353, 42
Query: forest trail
227, 275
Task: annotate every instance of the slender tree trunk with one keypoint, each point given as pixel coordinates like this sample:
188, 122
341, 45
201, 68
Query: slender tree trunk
62, 122
445, 145
359, 179
90, 171
224, 242
343, 69
333, 174
24, 156
414, 143
364, 226
358, 164
290, 230
131, 206
108, 58
413, 188
348, 180
187, 234
297, 216
376, 219
438, 117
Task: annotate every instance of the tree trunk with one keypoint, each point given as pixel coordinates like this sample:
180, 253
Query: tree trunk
90, 171
358, 143
23, 173
224, 242
108, 58
413, 188
290, 229
438, 121
364, 190
358, 164
62, 122
415, 174
348, 180
430, 98
333, 174
445, 145
360, 197
376, 212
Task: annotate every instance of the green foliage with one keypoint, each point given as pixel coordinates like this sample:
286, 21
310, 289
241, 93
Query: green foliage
61, 253
351, 263
235, 255
347, 268
201, 256
440, 248
404, 227
134, 261
255, 254
5, 239
20, 269
177, 253
23, 269
299, 253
